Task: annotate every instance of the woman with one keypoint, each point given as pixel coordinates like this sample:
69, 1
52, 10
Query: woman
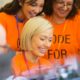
65, 17
36, 38
14, 15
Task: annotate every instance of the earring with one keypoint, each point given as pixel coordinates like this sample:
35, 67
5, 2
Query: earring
20, 3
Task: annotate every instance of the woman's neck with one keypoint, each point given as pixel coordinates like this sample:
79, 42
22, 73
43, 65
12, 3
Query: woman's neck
31, 57
57, 20
21, 16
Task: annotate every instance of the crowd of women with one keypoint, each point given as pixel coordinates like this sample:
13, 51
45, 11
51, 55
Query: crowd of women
39, 37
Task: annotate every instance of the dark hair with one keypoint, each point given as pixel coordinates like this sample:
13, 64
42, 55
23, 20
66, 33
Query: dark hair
48, 9
78, 3
11, 8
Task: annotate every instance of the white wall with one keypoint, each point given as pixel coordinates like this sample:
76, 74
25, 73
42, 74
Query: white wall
3, 2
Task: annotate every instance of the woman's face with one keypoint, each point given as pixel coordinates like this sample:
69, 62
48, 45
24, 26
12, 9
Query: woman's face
41, 42
31, 9
62, 8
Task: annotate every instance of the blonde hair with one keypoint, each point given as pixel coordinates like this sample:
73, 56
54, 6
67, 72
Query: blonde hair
33, 26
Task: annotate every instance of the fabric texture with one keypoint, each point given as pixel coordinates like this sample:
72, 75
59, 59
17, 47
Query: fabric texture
29, 69
66, 39
10, 24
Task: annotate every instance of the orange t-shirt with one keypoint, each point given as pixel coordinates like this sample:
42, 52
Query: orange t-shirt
10, 24
66, 39
26, 68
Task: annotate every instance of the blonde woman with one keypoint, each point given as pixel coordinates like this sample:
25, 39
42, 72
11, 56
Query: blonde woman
35, 39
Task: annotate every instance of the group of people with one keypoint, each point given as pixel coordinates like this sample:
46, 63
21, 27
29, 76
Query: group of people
41, 34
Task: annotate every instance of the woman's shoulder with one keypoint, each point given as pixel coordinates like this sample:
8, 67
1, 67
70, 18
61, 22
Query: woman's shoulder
3, 14
18, 56
4, 18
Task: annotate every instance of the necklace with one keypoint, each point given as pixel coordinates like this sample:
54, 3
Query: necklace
28, 68
17, 26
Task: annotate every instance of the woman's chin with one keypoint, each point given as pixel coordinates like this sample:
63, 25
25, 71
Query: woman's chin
42, 54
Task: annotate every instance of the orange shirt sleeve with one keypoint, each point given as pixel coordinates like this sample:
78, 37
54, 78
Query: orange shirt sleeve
3, 20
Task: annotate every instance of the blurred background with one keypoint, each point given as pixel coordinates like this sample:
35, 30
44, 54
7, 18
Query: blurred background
3, 2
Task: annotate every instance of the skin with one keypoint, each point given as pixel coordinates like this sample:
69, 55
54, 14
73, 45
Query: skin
61, 10
28, 11
41, 42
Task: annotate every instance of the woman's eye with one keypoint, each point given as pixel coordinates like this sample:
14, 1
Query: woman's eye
42, 39
50, 40
70, 4
33, 4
